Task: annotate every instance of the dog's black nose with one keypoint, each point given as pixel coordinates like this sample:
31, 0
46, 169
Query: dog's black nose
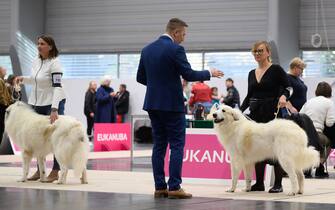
215, 115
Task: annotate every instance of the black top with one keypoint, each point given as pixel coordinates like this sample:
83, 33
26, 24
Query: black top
273, 84
90, 103
298, 98
122, 102
233, 97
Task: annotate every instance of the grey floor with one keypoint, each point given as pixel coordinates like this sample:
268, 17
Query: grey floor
36, 199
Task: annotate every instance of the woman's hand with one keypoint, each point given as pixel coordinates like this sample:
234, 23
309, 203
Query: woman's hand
53, 116
282, 101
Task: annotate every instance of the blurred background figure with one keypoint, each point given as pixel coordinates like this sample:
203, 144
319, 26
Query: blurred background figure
321, 110
105, 112
121, 103
201, 95
299, 95
5, 100
90, 107
215, 95
232, 98
14, 87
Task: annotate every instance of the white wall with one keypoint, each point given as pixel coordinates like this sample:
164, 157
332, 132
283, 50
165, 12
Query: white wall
75, 90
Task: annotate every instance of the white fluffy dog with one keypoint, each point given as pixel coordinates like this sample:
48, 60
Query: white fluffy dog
248, 142
36, 137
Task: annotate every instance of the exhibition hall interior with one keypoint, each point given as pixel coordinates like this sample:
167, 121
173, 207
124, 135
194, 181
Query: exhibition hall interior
152, 104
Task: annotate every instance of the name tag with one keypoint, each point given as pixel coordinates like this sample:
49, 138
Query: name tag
56, 79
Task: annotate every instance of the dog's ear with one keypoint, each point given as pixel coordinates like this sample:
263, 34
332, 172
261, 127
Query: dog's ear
235, 115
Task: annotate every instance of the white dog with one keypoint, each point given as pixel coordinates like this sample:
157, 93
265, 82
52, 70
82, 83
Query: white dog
248, 142
36, 137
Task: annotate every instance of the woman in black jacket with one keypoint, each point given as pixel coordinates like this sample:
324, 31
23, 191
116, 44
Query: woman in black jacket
121, 103
90, 107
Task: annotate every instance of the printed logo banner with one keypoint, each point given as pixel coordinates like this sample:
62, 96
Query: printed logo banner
112, 136
204, 157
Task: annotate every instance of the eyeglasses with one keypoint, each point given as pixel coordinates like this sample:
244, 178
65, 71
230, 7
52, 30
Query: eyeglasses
258, 52
300, 68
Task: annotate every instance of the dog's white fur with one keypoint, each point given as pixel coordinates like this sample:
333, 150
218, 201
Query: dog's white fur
248, 142
36, 137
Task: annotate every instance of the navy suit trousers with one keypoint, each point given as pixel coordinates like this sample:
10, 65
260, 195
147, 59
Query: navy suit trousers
167, 128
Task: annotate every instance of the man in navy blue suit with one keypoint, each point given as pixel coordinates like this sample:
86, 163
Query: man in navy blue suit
161, 67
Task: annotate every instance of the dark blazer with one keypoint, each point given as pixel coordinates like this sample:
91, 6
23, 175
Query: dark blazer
90, 103
161, 65
105, 106
122, 102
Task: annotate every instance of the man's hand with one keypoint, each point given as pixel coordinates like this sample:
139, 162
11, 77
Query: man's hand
217, 73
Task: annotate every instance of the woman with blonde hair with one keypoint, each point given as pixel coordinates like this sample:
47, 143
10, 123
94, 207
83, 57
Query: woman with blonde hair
90, 107
299, 96
105, 112
268, 89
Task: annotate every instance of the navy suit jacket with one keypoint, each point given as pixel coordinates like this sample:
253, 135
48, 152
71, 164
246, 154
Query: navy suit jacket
161, 65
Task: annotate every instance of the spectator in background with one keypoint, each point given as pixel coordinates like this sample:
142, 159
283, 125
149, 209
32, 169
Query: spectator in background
298, 98
232, 98
321, 110
201, 94
105, 112
14, 88
5, 100
121, 103
215, 95
90, 107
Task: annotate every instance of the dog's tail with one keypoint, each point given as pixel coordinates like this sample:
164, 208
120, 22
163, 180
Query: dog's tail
80, 157
308, 158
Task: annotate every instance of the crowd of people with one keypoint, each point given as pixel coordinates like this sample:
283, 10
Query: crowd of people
104, 105
270, 89
271, 93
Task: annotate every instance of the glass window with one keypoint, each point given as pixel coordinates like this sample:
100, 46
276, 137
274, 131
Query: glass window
233, 64
195, 59
129, 65
319, 63
6, 63
89, 65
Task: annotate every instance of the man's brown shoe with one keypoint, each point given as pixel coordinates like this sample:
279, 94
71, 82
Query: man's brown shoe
161, 193
179, 194
53, 176
34, 177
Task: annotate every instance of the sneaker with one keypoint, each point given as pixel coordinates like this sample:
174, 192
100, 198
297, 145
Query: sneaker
178, 194
161, 193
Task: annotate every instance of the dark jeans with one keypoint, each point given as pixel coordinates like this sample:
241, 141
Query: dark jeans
90, 123
167, 128
46, 110
2, 120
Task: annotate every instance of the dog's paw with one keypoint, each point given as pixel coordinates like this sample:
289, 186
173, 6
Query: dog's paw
230, 190
247, 189
300, 192
83, 181
60, 182
22, 180
291, 194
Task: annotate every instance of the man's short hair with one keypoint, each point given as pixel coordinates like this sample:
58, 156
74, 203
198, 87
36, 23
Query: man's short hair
175, 23
230, 80
124, 86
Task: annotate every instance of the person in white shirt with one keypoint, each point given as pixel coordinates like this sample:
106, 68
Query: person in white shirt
321, 110
47, 95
